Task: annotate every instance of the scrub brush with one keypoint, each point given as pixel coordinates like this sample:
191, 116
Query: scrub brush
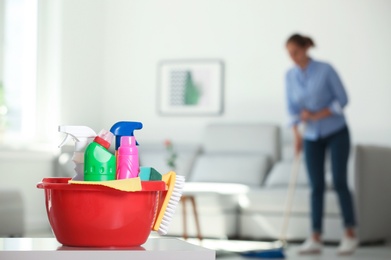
175, 185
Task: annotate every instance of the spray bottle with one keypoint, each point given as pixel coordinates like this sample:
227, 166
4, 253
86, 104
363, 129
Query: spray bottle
99, 162
124, 128
127, 158
80, 134
126, 149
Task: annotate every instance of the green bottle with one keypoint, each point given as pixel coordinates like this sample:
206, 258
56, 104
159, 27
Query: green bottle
99, 163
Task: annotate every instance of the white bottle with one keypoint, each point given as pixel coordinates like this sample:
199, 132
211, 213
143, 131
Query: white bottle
81, 135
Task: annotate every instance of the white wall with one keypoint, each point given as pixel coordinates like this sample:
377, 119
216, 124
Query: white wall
82, 57
247, 35
107, 54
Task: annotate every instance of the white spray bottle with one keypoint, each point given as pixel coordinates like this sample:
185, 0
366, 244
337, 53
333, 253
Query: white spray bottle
80, 135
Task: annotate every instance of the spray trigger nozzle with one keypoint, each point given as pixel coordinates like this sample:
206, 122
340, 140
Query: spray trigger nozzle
66, 139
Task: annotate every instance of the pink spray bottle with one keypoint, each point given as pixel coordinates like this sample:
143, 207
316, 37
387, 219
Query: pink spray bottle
126, 149
127, 158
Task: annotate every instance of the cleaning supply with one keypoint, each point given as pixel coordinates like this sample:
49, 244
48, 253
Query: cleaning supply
99, 163
124, 128
175, 185
81, 135
268, 254
133, 184
90, 216
127, 158
149, 174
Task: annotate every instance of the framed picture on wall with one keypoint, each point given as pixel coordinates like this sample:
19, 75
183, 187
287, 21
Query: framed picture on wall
190, 87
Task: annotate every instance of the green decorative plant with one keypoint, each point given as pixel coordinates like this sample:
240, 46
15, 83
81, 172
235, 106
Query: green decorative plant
171, 155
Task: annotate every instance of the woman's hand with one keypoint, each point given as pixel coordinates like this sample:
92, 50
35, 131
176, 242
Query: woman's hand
306, 115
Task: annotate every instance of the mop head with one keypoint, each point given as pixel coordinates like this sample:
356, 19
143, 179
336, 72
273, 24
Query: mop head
268, 254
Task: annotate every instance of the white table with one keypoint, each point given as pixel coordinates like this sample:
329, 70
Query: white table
49, 248
194, 188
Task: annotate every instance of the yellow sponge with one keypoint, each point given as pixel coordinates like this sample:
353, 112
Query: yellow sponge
132, 184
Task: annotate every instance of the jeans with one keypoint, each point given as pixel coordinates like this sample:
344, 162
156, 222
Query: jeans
339, 145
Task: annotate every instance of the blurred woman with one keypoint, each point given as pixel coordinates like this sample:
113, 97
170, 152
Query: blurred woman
316, 98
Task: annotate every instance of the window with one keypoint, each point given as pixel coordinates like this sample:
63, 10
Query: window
18, 68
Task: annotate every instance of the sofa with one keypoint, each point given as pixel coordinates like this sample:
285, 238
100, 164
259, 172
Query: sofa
257, 160
254, 156
221, 158
11, 213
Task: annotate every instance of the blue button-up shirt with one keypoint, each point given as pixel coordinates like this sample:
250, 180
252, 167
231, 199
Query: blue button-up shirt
315, 88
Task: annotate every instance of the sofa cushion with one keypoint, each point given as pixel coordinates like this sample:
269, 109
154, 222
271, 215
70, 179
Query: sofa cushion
254, 138
155, 155
249, 169
281, 172
272, 200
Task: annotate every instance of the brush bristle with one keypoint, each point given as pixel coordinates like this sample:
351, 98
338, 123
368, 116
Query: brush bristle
172, 204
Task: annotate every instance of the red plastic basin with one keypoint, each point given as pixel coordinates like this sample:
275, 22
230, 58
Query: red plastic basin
98, 216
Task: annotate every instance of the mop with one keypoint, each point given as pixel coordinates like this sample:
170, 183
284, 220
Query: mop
278, 252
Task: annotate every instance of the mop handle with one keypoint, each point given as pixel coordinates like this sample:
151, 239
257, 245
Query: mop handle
290, 196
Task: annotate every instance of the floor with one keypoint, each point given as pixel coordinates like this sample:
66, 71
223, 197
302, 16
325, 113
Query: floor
374, 252
367, 253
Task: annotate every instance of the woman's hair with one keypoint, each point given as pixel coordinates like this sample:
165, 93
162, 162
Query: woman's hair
301, 40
